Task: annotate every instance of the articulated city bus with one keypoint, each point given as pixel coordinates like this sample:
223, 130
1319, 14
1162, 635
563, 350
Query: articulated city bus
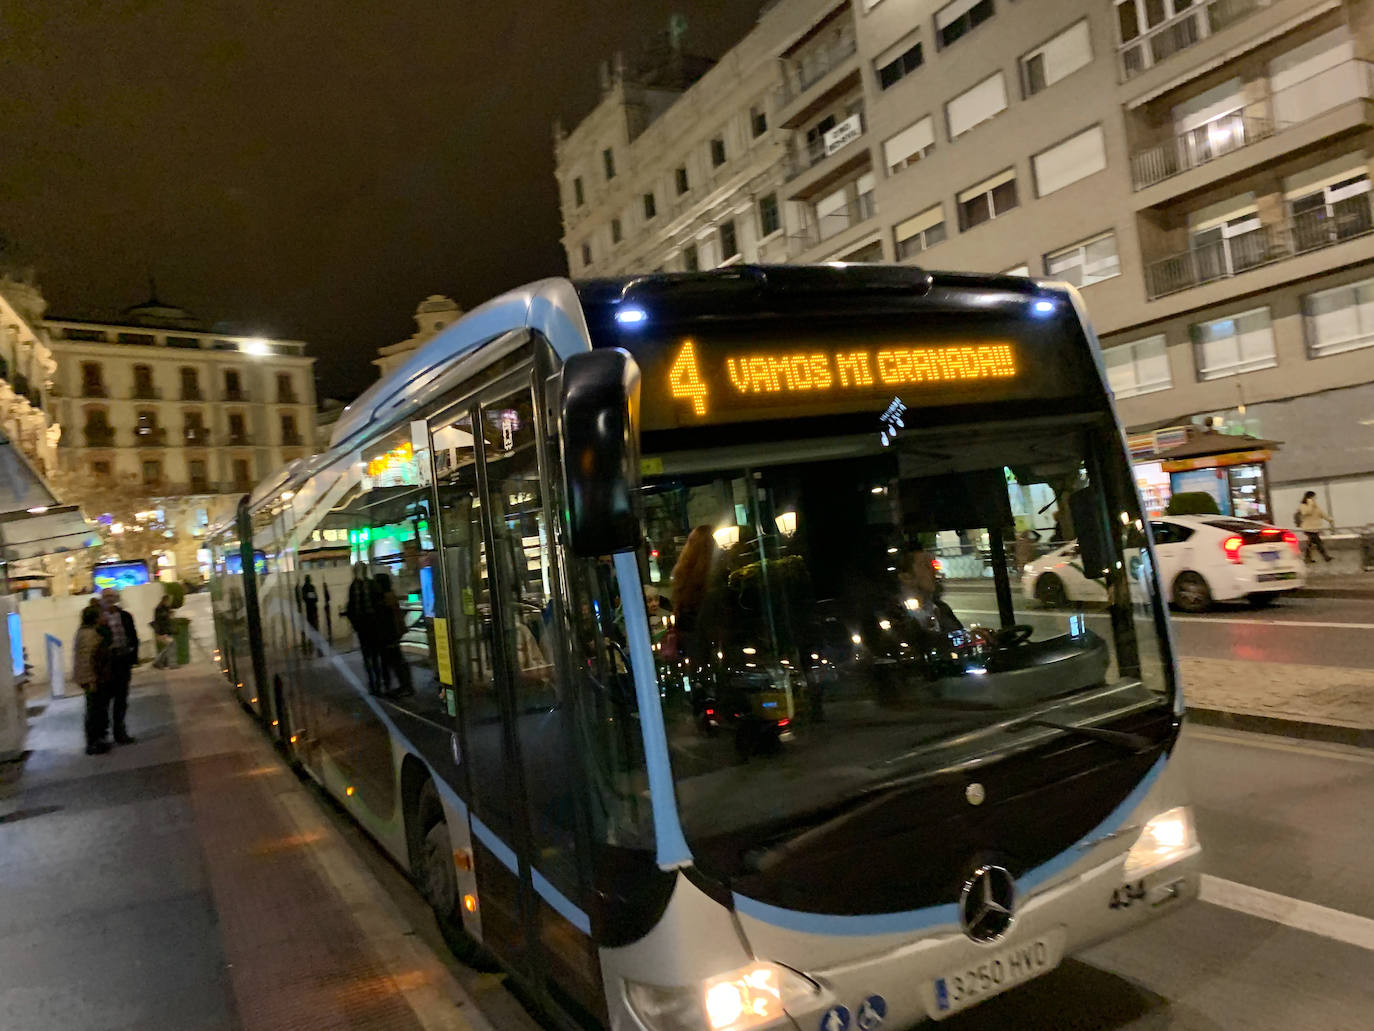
613, 616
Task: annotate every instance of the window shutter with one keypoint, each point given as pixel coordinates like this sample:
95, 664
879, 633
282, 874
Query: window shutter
1074, 159
977, 104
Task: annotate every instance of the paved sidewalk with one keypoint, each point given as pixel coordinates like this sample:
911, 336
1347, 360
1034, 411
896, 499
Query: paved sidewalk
192, 881
1336, 585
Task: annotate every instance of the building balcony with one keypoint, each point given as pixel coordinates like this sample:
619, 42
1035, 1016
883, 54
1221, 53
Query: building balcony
818, 73
94, 390
146, 394
1221, 259
199, 487
859, 210
150, 436
240, 440
235, 395
1182, 31
287, 397
805, 155
102, 436
192, 395
292, 440
196, 436
1327, 104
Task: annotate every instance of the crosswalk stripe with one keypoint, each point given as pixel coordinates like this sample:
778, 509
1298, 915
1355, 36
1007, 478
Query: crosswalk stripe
1335, 924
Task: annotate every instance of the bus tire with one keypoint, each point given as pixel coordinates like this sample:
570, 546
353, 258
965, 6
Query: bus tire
434, 877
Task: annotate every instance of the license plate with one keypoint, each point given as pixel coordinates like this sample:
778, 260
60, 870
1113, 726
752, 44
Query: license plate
1269, 556
994, 973
1270, 577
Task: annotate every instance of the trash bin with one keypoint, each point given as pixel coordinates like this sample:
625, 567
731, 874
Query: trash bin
182, 635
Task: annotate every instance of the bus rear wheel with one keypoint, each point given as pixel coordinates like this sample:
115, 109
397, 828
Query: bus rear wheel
434, 877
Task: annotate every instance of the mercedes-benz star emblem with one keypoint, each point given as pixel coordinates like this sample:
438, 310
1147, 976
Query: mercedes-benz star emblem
986, 904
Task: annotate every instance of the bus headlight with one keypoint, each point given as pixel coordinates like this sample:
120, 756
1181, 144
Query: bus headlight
752, 996
1165, 839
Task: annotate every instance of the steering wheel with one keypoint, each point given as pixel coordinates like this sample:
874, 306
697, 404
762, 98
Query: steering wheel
1010, 637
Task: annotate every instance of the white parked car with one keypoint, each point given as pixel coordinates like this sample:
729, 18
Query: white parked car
1202, 559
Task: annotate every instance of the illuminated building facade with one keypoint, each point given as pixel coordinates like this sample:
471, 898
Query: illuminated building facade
1199, 170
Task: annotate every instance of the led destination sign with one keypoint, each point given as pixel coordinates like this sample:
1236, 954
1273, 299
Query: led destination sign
709, 382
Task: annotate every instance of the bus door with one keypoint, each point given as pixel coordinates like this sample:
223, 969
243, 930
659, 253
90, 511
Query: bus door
523, 784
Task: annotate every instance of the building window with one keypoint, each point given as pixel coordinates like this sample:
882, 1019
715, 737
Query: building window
92, 380
99, 432
286, 393
919, 233
691, 262
990, 199
289, 433
233, 388
579, 196
101, 469
957, 19
729, 245
1341, 319
868, 5
608, 162
243, 475
758, 120
237, 433
975, 106
200, 482
1233, 345
650, 206
1085, 263
894, 70
152, 472
586, 255
143, 382
1016, 270
717, 152
190, 384
909, 146
1138, 368
770, 218
1076, 158
869, 253
194, 428
680, 180
1067, 52
616, 234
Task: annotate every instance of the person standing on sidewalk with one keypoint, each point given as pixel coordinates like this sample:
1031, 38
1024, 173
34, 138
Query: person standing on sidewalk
91, 669
123, 658
164, 633
1310, 520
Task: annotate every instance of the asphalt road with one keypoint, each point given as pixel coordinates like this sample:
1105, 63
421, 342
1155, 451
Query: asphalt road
1309, 631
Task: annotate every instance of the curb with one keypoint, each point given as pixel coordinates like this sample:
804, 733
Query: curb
1335, 592
1331, 733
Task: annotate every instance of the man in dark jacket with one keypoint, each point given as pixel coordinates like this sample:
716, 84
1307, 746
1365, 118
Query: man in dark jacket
123, 658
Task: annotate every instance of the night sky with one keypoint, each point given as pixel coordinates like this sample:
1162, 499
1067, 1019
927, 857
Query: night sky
308, 170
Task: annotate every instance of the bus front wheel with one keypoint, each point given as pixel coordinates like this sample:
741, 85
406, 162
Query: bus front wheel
434, 876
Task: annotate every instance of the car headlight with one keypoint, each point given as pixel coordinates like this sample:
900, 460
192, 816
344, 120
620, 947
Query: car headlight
751, 996
1166, 839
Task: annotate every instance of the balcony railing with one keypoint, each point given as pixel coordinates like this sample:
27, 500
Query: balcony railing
860, 209
1188, 150
813, 152
150, 436
197, 436
235, 394
99, 436
192, 394
291, 440
1221, 259
1292, 105
287, 397
240, 439
1182, 31
146, 393
94, 390
801, 73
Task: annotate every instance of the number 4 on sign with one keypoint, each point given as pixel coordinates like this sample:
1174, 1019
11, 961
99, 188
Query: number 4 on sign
684, 379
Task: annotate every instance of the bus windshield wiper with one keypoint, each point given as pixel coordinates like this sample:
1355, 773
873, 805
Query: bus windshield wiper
1135, 743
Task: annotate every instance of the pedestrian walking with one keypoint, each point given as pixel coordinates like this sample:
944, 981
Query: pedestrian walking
164, 633
364, 611
123, 659
1310, 520
310, 599
91, 669
392, 628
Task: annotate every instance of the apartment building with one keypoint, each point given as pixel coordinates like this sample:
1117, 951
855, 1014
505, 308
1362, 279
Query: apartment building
1199, 169
156, 404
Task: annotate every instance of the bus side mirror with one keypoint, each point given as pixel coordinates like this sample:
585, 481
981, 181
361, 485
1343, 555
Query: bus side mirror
600, 440
1094, 550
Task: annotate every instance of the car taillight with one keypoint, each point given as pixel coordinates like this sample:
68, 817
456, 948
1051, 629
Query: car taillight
937, 565
1232, 546
1291, 539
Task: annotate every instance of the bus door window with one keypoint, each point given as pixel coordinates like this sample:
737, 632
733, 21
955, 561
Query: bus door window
523, 549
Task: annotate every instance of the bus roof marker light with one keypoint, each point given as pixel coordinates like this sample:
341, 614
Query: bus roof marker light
1042, 307
631, 316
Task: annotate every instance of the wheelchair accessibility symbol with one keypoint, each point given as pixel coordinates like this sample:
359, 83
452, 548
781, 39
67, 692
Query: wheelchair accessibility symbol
871, 1013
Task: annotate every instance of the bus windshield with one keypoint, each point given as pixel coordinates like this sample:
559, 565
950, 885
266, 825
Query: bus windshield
828, 615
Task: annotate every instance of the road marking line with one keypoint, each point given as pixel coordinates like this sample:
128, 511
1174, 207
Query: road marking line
1303, 916
1275, 622
1249, 739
